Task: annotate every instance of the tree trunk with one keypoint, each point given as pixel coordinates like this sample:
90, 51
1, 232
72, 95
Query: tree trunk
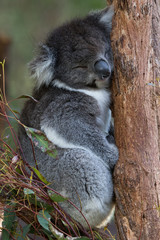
136, 94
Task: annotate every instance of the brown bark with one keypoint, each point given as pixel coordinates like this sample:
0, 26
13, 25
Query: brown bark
136, 47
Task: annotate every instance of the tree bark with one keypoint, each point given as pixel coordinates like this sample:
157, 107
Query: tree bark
136, 94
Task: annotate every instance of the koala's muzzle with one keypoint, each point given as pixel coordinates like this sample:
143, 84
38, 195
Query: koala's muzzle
103, 69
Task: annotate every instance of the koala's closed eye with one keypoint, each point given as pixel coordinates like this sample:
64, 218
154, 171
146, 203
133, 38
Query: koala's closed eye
80, 67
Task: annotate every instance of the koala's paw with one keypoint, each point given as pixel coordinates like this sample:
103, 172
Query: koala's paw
110, 138
114, 155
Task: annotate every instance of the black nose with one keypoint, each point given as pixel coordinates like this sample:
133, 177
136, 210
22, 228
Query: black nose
102, 69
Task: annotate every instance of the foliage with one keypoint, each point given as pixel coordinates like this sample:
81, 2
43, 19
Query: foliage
26, 194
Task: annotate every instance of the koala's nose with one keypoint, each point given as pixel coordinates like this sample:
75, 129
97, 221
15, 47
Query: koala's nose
102, 69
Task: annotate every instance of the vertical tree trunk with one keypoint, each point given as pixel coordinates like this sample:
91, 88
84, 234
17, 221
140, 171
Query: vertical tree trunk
136, 96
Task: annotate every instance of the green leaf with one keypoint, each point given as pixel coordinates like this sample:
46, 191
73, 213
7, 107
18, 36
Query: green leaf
26, 230
58, 235
8, 223
15, 111
40, 176
28, 191
18, 170
46, 206
5, 234
48, 234
57, 198
44, 218
40, 140
27, 96
82, 238
20, 238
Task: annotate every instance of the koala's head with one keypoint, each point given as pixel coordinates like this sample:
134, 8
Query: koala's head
77, 54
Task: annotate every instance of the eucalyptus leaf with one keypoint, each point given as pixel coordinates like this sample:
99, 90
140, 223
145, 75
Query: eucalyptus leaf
8, 223
28, 191
58, 235
26, 229
57, 198
40, 176
40, 140
27, 96
48, 234
19, 171
20, 238
15, 111
5, 234
44, 218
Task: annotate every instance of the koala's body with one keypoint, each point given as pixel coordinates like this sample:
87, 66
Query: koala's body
73, 72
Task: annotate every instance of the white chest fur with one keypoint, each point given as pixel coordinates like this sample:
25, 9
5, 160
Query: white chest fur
102, 96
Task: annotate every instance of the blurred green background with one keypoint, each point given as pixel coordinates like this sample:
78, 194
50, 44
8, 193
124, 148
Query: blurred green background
26, 23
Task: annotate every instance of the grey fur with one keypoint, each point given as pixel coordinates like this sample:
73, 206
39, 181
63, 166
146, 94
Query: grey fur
73, 111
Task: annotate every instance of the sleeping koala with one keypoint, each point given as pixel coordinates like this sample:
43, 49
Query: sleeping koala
73, 74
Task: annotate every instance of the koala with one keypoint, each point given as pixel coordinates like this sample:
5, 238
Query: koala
73, 71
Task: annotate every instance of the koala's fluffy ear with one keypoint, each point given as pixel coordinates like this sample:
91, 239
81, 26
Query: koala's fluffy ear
42, 67
105, 16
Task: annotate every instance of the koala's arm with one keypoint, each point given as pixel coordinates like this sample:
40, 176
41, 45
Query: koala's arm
75, 125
